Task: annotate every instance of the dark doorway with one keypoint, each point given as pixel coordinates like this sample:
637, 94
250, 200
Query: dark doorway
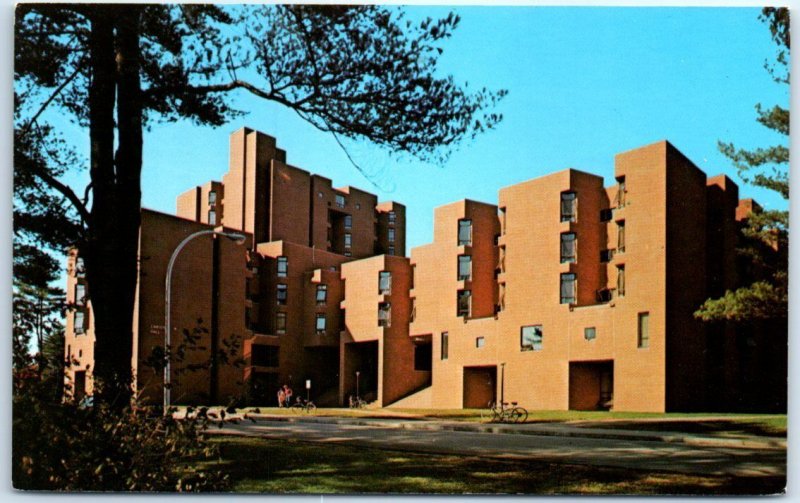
591, 385
80, 385
480, 387
361, 358
262, 389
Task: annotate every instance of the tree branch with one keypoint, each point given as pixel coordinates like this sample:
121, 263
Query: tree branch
64, 189
49, 100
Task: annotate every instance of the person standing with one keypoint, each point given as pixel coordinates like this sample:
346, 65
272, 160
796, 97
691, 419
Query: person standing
287, 391
281, 397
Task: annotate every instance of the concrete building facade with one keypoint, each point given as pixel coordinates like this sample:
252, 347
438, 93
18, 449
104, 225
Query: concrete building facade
567, 294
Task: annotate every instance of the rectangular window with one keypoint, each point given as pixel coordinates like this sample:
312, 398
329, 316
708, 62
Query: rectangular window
321, 320
212, 217
340, 201
280, 323
464, 232
589, 333
620, 281
479, 342
568, 247
501, 259
569, 207
621, 191
644, 330
264, 356
391, 250
413, 314
80, 268
391, 235
80, 294
248, 314
283, 267
348, 240
568, 288
385, 283
212, 198
322, 294
531, 338
445, 339
464, 267
348, 222
348, 253
384, 314
621, 236
80, 322
606, 215
501, 213
392, 217
464, 303
501, 297
606, 255
282, 294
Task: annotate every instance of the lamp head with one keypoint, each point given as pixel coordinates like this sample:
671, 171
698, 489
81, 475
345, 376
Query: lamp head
237, 237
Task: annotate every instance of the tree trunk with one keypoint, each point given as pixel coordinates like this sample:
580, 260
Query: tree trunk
113, 236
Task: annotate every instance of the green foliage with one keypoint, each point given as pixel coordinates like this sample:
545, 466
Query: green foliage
765, 235
64, 447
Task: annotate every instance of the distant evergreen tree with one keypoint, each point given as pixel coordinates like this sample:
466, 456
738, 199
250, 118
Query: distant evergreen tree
766, 234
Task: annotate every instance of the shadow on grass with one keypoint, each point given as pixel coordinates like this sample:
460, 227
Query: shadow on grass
291, 466
729, 428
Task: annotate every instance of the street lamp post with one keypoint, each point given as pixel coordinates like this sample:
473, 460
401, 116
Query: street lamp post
357, 387
239, 238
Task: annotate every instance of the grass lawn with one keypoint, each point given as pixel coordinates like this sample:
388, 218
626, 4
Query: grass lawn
273, 466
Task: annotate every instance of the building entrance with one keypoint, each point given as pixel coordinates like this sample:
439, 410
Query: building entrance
361, 370
591, 385
480, 386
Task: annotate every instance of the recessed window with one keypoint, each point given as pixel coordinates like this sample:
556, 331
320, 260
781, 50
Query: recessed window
568, 288
348, 240
280, 323
568, 247
392, 217
501, 214
212, 198
644, 330
464, 303
445, 343
501, 297
348, 253
531, 338
248, 315
80, 268
569, 207
385, 283
589, 333
340, 201
212, 217
79, 319
282, 294
391, 250
413, 314
621, 236
391, 235
606, 215
620, 281
384, 314
464, 267
264, 356
348, 222
464, 232
621, 192
606, 255
423, 356
80, 294
322, 294
321, 321
358, 206
479, 342
283, 267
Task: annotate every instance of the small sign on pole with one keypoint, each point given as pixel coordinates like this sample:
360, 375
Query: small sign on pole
308, 383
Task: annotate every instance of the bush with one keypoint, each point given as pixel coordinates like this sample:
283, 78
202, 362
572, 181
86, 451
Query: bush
65, 447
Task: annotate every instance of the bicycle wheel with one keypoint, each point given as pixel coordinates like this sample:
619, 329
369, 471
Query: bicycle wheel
519, 415
311, 408
497, 415
297, 407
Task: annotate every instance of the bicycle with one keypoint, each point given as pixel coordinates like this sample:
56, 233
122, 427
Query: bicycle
502, 413
301, 405
357, 402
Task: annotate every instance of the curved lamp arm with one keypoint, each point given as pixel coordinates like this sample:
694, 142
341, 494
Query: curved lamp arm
239, 238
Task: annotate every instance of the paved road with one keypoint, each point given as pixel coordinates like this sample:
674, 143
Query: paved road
635, 454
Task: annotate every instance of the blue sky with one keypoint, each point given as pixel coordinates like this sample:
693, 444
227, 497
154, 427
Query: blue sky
584, 84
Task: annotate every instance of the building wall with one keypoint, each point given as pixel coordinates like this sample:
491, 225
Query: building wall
78, 348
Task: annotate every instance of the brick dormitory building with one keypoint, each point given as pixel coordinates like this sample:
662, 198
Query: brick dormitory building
565, 295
